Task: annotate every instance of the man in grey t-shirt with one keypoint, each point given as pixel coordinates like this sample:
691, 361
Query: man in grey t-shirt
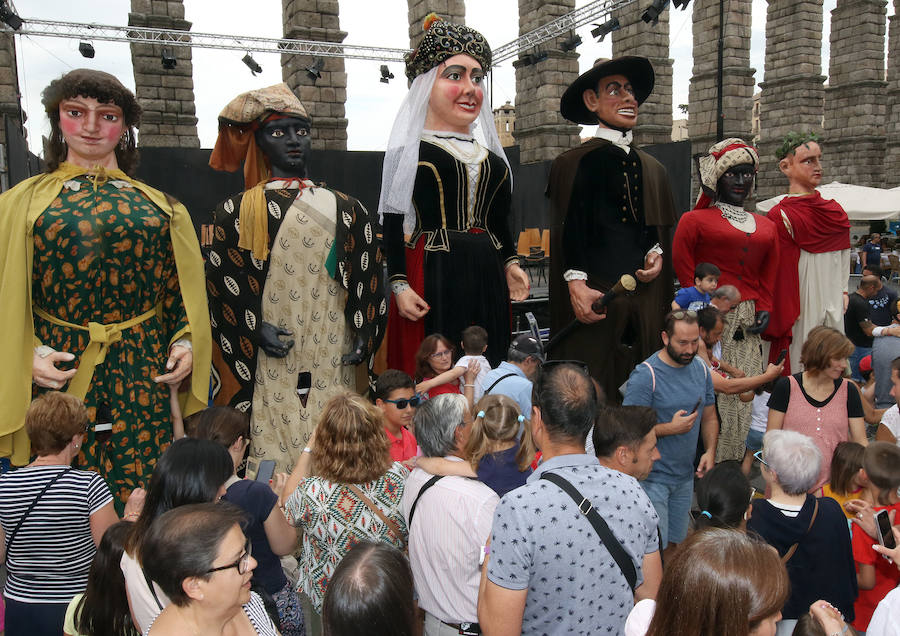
548, 571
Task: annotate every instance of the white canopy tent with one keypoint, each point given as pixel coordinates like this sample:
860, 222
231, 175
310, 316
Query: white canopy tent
862, 204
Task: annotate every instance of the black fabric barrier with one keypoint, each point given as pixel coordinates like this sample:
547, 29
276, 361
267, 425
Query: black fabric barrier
185, 174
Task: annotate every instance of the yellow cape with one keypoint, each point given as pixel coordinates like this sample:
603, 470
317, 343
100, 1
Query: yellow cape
19, 209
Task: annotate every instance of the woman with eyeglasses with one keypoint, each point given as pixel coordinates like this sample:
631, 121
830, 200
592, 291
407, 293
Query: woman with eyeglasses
52, 517
191, 471
819, 402
265, 526
435, 373
354, 495
809, 533
200, 558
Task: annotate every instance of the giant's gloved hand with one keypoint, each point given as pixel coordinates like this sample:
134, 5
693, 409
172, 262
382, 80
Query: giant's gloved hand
762, 321
356, 355
269, 340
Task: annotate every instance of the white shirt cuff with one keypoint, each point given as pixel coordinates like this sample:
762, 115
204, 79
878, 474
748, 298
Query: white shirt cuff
656, 249
399, 286
183, 342
574, 274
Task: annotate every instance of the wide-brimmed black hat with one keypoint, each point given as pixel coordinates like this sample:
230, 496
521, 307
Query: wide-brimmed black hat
638, 70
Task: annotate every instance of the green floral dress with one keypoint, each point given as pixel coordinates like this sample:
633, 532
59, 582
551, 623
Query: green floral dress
105, 255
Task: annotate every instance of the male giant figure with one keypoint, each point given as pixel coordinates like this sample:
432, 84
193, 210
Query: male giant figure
294, 276
814, 249
612, 215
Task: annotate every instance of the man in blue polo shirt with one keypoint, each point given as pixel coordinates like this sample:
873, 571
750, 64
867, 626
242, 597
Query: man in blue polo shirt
513, 377
678, 386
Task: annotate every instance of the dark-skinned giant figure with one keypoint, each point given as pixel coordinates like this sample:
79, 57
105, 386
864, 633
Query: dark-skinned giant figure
293, 275
745, 248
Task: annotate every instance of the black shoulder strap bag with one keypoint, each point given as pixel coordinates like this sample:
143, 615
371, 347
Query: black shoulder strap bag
15, 531
606, 536
498, 381
412, 510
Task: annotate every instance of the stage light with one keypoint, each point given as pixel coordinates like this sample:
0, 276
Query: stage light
570, 43
168, 60
9, 17
314, 70
86, 49
386, 75
534, 57
652, 13
682, 4
605, 29
251, 64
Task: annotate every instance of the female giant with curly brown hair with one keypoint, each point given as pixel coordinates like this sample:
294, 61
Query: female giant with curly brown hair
354, 495
102, 285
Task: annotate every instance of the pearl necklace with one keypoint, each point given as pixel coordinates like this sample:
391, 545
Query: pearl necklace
731, 212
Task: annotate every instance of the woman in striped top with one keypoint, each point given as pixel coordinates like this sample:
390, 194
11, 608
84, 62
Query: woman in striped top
201, 559
52, 519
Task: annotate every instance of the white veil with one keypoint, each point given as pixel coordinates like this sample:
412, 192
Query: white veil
401, 158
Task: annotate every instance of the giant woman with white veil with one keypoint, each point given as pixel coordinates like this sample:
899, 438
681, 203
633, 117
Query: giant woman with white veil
446, 196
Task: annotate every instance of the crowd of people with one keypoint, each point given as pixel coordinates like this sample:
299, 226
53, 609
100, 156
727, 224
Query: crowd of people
231, 479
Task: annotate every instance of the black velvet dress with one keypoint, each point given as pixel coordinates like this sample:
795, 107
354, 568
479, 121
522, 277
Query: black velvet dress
456, 256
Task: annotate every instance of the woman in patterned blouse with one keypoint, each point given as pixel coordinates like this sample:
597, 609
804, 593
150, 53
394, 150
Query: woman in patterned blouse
354, 495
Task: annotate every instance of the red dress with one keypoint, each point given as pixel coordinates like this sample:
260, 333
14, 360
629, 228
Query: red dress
749, 261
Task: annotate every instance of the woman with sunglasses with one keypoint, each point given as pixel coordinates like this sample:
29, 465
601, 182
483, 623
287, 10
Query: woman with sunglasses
202, 561
354, 495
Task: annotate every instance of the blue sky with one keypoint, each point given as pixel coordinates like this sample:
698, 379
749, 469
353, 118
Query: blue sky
371, 105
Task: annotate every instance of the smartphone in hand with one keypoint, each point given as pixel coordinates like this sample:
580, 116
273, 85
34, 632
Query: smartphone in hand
883, 528
266, 470
781, 356
696, 406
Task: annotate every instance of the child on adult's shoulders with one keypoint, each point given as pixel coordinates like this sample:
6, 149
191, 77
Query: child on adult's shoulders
395, 395
706, 279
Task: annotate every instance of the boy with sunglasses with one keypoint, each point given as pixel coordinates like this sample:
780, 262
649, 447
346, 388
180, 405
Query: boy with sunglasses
395, 395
